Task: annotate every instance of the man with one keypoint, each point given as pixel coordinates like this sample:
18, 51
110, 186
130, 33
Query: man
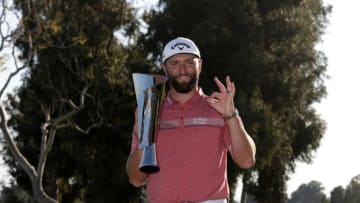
196, 132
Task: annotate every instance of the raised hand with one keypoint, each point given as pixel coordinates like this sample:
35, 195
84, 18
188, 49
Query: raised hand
223, 101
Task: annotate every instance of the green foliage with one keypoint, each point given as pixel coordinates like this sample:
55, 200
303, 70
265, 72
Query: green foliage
352, 192
337, 195
3, 60
15, 194
313, 192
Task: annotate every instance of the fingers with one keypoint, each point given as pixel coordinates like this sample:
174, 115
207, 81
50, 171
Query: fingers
222, 101
230, 86
221, 87
216, 96
228, 83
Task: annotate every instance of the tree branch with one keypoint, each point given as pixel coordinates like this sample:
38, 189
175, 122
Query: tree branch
17, 69
71, 113
24, 163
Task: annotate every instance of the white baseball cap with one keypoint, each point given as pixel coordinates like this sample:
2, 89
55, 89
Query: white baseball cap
179, 45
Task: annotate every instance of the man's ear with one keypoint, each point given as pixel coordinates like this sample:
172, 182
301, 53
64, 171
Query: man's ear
200, 65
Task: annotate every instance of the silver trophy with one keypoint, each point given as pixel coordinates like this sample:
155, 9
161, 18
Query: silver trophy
150, 92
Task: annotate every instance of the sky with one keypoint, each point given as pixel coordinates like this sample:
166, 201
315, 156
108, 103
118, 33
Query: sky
335, 162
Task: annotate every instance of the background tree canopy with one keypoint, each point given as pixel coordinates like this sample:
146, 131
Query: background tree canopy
309, 193
268, 49
314, 192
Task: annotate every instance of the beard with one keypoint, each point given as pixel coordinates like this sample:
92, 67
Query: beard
183, 87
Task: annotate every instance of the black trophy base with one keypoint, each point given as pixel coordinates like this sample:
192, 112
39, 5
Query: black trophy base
149, 169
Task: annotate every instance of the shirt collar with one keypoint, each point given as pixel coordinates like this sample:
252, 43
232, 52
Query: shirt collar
192, 102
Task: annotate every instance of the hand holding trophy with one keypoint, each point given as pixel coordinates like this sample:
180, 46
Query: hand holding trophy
150, 92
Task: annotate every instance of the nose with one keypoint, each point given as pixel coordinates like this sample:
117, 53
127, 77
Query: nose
182, 68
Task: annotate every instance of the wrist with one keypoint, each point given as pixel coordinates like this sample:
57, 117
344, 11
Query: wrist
233, 115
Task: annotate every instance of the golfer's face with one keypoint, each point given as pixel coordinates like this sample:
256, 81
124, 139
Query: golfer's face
183, 71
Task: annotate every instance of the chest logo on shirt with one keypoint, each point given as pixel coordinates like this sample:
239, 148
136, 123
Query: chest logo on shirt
200, 121
192, 122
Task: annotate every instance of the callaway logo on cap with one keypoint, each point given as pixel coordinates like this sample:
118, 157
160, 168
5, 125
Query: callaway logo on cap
179, 45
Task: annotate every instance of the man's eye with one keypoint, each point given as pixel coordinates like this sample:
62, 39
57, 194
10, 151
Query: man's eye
190, 62
173, 63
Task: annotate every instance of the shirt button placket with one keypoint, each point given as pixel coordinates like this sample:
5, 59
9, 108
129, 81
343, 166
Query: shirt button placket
181, 117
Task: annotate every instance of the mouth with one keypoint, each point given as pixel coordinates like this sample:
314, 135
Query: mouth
183, 78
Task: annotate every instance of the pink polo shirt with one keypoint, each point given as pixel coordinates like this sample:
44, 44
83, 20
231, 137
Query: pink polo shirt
192, 149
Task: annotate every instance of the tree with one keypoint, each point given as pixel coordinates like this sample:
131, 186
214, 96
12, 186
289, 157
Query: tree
352, 192
313, 192
15, 194
76, 80
35, 174
269, 50
337, 195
